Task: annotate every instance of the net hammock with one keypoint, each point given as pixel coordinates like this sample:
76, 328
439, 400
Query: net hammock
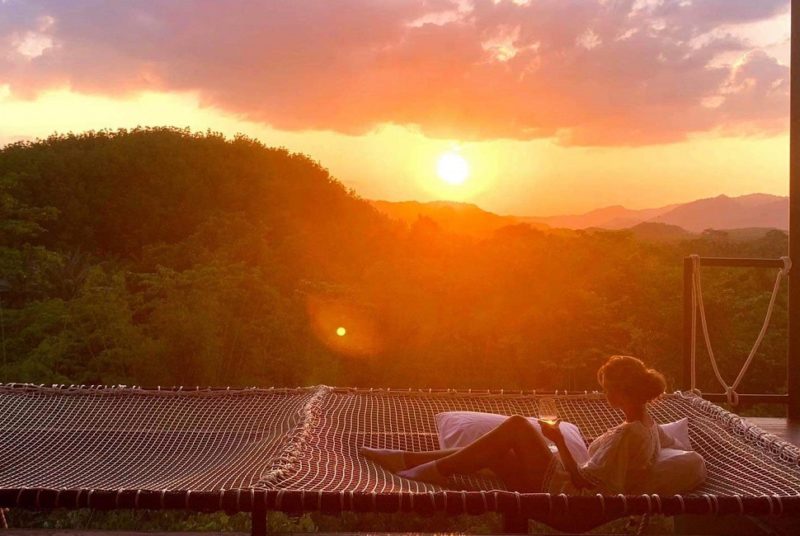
296, 450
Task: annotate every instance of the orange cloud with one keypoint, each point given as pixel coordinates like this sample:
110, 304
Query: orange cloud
587, 72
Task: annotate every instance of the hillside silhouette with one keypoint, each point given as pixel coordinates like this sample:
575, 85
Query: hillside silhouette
460, 218
161, 256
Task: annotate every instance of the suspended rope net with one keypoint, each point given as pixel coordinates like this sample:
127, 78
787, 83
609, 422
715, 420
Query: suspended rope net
698, 306
296, 450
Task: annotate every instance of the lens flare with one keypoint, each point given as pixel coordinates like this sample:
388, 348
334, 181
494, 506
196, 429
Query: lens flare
328, 317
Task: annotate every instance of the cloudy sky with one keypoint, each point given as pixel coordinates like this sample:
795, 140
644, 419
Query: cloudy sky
558, 106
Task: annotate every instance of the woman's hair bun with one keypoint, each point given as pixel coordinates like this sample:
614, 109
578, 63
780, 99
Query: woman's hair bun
654, 385
630, 375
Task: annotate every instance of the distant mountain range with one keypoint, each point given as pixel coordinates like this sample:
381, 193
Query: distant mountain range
721, 212
751, 214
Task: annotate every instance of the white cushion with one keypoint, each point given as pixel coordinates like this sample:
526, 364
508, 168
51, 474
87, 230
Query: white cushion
675, 471
679, 432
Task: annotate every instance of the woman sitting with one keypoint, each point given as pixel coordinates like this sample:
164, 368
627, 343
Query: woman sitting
618, 461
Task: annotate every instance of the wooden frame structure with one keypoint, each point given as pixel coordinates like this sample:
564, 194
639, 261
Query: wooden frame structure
792, 398
687, 330
793, 362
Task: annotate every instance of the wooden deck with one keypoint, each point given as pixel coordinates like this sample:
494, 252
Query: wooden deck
779, 426
98, 532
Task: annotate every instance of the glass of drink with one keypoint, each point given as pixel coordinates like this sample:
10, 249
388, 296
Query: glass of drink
547, 410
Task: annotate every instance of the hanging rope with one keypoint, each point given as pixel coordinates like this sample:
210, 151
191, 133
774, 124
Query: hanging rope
697, 303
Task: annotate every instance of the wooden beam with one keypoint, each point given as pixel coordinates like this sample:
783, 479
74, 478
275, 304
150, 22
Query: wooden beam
749, 398
740, 263
687, 324
793, 358
514, 524
258, 519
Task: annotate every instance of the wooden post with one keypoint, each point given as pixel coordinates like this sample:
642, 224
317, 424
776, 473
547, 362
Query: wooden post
687, 324
515, 524
259, 517
793, 358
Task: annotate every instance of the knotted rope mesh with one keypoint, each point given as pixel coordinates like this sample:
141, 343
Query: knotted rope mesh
741, 459
307, 439
135, 439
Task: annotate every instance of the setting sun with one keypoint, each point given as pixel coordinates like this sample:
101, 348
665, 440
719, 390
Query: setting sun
452, 168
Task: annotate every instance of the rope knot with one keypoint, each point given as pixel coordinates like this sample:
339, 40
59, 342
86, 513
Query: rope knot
787, 266
732, 396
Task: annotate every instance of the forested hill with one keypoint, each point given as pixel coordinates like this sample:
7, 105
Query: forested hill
158, 256
120, 194
164, 256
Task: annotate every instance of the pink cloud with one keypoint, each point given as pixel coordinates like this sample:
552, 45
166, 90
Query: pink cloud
587, 72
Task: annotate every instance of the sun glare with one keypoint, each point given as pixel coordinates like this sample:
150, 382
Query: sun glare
452, 168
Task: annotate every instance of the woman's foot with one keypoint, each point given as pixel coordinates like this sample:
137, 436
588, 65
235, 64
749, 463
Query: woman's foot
427, 472
390, 459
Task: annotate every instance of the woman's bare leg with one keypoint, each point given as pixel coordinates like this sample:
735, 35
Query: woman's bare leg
397, 460
508, 468
515, 433
514, 475
418, 458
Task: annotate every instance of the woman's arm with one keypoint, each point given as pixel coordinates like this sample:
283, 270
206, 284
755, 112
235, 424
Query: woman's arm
570, 465
552, 432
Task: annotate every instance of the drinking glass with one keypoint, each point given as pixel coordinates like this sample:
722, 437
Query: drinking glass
547, 410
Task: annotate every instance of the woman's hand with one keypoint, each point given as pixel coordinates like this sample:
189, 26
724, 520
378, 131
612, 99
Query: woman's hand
551, 431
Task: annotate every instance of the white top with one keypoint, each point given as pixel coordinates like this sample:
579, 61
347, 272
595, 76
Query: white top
616, 462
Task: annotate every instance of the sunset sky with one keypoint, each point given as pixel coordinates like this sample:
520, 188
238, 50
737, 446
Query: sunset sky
558, 106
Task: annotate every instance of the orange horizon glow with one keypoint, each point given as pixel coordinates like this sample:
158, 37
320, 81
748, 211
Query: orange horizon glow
605, 104
533, 178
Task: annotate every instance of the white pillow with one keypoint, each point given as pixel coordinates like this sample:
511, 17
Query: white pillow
675, 471
679, 432
460, 428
